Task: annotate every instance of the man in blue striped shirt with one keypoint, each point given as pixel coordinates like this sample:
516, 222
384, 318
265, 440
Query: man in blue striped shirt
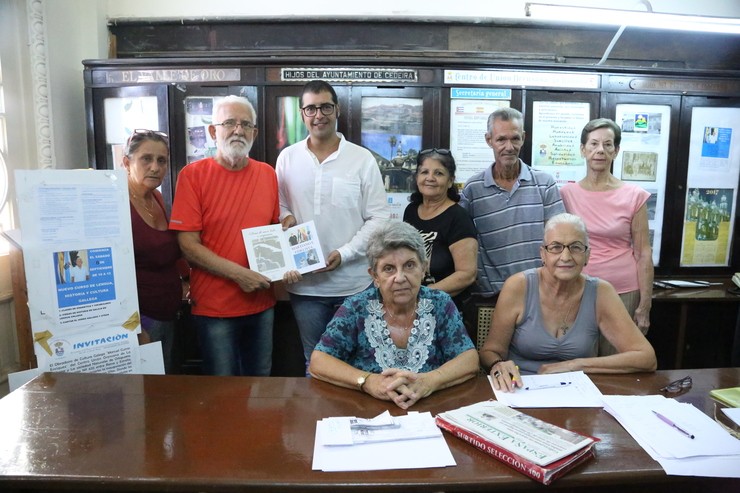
509, 203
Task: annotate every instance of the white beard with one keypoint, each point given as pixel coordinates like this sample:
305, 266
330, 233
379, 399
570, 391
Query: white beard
233, 152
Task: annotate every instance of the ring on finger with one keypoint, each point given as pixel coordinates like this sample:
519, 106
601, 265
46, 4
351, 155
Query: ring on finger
496, 374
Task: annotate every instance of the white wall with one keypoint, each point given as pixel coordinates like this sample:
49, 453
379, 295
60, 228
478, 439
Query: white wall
76, 30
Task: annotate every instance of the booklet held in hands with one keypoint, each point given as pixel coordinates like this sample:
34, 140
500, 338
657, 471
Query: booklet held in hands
272, 252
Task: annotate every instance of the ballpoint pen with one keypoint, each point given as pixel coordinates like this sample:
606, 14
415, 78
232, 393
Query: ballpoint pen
553, 386
674, 425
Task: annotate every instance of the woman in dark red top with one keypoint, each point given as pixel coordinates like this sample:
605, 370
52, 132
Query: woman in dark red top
156, 251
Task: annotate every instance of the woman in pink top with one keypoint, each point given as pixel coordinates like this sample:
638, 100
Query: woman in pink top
616, 217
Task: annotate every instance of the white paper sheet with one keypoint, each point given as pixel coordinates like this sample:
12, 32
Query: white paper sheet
733, 413
713, 452
571, 389
403, 454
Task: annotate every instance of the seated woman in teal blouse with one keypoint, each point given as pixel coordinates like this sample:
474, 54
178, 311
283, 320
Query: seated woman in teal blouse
397, 340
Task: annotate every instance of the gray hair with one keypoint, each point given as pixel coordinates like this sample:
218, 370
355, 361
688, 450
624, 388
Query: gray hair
231, 99
393, 235
566, 218
505, 115
602, 123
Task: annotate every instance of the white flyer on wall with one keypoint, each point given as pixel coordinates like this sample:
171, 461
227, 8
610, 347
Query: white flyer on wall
556, 132
711, 187
469, 111
643, 159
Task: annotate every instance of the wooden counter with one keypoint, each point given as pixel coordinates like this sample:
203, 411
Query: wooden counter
220, 434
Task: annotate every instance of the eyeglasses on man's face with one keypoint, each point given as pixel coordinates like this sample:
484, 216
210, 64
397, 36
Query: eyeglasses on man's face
575, 248
311, 109
684, 383
232, 124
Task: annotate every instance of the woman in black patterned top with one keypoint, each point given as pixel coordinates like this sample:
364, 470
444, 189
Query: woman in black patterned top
448, 232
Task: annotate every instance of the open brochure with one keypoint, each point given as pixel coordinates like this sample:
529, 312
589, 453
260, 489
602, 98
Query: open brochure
272, 252
541, 450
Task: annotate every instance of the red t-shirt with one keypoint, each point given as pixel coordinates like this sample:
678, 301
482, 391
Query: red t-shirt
219, 203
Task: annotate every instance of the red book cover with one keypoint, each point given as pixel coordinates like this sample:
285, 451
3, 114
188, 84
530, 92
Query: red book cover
544, 474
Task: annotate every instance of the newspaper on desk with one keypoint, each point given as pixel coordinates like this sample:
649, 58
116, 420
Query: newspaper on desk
684, 440
384, 442
535, 440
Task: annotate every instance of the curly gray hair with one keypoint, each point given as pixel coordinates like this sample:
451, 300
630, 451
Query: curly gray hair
393, 235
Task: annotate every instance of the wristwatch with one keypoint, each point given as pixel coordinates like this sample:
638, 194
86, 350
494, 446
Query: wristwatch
361, 380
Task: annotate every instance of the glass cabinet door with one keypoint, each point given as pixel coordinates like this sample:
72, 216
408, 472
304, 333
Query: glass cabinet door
117, 112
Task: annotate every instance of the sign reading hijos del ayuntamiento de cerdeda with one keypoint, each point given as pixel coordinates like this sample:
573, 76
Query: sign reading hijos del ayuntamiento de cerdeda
349, 74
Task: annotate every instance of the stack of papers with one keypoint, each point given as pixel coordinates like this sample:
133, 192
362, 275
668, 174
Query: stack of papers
684, 440
570, 389
384, 442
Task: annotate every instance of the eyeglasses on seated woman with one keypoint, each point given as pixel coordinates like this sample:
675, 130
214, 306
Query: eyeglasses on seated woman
554, 315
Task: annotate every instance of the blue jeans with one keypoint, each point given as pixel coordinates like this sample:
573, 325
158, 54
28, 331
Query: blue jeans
163, 331
236, 345
312, 314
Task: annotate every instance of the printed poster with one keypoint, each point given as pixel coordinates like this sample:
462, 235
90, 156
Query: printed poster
556, 139
79, 262
711, 188
643, 159
469, 111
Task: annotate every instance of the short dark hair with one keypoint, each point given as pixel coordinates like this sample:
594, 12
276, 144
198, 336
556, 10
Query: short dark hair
602, 123
318, 86
448, 162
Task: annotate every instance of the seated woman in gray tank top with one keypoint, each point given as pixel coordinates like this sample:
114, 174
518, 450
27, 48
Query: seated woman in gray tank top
548, 319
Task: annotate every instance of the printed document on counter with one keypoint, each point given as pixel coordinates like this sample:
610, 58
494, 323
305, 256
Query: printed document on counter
403, 442
570, 389
684, 440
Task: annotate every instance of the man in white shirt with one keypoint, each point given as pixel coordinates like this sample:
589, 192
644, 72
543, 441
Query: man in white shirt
78, 273
338, 185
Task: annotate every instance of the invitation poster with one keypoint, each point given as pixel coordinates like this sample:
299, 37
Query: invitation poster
556, 139
79, 262
643, 159
469, 112
711, 187
96, 351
